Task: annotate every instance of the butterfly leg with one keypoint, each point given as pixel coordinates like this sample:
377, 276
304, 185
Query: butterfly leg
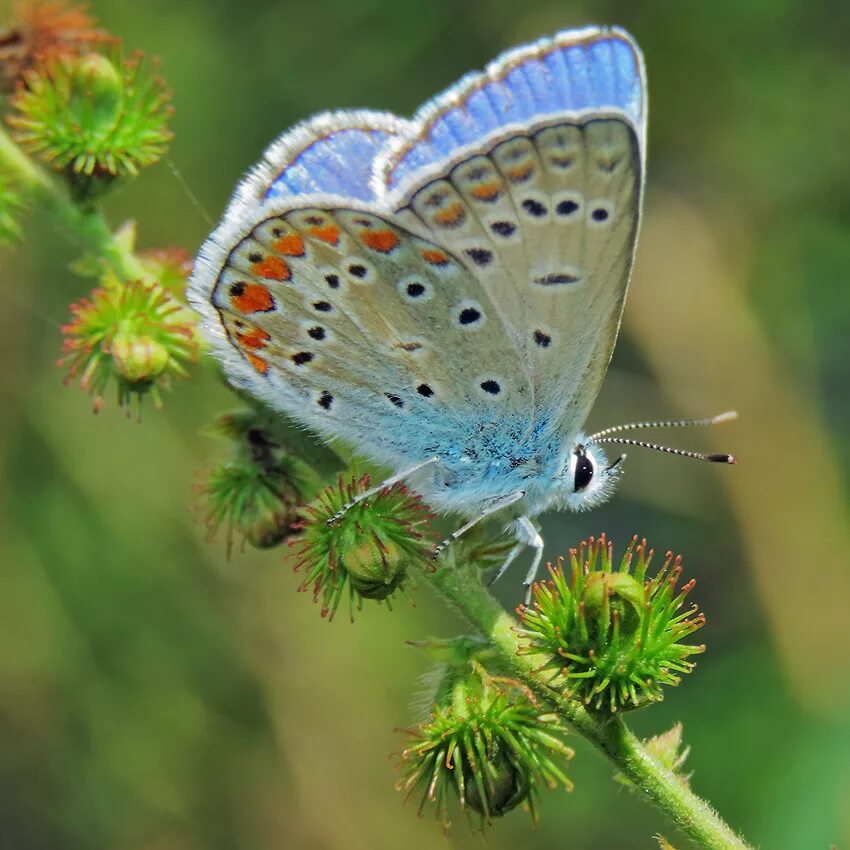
491, 508
528, 534
512, 556
394, 479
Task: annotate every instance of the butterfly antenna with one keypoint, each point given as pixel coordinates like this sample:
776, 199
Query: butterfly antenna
626, 441
726, 416
193, 198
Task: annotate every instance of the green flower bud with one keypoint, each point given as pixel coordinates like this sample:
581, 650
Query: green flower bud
95, 96
488, 743
253, 499
507, 786
375, 568
271, 529
608, 595
370, 550
134, 335
612, 639
94, 117
138, 359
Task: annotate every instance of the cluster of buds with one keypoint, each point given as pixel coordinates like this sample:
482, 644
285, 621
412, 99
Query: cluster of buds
487, 742
371, 550
611, 637
96, 117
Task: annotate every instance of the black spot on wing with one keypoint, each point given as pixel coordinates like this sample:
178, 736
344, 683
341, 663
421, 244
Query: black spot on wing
503, 228
565, 208
557, 279
534, 207
480, 256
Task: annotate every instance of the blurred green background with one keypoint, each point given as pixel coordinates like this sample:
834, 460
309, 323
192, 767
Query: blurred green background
154, 696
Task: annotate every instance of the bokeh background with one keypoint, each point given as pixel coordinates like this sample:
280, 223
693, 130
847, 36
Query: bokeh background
156, 696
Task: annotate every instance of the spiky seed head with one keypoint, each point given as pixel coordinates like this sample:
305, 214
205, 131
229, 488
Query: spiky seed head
608, 635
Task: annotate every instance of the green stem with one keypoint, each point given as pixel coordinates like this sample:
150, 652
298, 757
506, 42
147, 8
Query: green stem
462, 588
84, 225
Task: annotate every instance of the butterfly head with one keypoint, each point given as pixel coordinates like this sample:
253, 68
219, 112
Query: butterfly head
590, 479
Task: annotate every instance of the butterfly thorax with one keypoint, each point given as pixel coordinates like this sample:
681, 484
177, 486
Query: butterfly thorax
488, 461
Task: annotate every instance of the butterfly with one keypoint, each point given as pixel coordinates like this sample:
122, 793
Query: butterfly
444, 293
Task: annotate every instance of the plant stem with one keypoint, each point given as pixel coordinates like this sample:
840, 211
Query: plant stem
85, 225
462, 588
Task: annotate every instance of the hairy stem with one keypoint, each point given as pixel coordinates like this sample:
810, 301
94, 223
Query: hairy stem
462, 588
85, 225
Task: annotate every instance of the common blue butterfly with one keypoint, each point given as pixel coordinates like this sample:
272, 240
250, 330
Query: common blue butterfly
445, 293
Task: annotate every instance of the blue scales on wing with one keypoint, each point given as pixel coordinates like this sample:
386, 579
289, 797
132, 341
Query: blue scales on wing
576, 72
332, 153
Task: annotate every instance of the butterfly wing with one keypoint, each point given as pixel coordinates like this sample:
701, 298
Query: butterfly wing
363, 330
331, 153
532, 174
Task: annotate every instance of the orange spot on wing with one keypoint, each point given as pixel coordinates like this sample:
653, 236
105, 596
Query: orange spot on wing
329, 234
251, 298
272, 268
434, 256
520, 172
452, 214
289, 246
487, 191
379, 240
254, 338
258, 363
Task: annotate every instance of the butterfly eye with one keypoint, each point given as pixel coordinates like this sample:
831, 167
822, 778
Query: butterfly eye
583, 474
